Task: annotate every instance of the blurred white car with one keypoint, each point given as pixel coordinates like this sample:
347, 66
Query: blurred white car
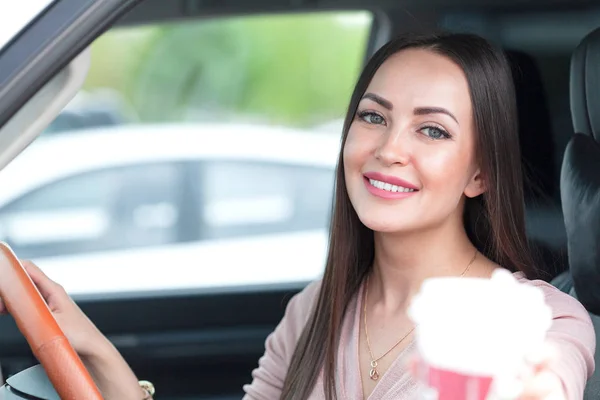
162, 207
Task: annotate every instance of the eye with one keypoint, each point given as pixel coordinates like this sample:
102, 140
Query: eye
371, 117
434, 132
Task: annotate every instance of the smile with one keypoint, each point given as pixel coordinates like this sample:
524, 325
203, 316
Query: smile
388, 187
376, 185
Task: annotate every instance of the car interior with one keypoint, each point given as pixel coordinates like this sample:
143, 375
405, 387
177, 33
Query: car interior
204, 343
579, 188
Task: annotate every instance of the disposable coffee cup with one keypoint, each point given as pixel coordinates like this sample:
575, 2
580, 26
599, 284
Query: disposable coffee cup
473, 335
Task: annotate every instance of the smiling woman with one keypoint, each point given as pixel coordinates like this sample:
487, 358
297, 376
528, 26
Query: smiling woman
428, 185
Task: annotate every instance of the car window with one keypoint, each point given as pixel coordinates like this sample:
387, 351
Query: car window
257, 198
96, 211
244, 99
226, 69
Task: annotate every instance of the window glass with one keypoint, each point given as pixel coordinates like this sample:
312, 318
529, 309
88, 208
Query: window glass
274, 69
95, 211
252, 198
231, 99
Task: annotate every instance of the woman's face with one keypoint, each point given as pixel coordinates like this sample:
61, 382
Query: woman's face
409, 157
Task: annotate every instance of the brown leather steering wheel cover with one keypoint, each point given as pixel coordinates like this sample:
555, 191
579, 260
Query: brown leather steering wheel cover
24, 302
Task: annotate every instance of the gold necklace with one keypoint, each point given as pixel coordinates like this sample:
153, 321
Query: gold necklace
373, 373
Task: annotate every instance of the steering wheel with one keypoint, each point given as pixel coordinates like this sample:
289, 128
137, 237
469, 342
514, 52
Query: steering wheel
63, 375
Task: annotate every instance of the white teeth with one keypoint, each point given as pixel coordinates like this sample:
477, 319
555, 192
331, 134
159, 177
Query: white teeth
388, 187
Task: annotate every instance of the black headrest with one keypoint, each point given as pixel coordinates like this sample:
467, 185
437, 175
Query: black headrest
580, 175
535, 136
580, 193
585, 86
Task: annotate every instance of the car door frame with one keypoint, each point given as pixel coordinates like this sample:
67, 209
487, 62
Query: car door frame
48, 43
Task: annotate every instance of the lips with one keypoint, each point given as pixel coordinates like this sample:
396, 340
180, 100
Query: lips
391, 180
388, 187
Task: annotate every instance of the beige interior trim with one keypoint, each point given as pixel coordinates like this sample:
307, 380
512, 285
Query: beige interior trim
42, 108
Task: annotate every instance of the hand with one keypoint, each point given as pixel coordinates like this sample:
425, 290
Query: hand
536, 380
539, 381
79, 330
110, 371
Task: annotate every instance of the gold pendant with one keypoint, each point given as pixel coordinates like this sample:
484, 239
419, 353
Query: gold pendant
373, 374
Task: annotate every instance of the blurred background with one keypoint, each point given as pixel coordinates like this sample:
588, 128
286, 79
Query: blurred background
293, 69
211, 141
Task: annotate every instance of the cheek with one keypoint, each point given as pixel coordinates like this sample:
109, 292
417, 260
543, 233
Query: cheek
355, 151
444, 169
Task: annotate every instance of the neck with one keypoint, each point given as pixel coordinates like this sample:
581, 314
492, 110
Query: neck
403, 262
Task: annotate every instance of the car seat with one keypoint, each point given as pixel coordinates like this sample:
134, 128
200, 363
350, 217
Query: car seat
580, 189
545, 226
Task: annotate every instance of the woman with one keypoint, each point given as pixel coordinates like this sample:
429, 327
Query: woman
428, 184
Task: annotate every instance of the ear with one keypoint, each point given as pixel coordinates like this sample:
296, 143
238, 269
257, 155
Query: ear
476, 186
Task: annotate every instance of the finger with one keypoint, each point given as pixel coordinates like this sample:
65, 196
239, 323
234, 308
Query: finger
542, 357
543, 385
47, 287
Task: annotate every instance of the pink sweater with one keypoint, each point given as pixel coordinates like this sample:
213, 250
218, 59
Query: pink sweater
572, 332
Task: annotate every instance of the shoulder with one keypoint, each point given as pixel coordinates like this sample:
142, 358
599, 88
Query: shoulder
269, 377
282, 341
298, 310
280, 345
562, 304
307, 297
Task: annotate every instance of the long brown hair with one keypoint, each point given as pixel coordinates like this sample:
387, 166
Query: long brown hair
494, 221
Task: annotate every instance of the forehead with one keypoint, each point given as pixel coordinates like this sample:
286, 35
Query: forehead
422, 78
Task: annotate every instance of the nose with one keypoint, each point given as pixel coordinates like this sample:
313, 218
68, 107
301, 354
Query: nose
394, 148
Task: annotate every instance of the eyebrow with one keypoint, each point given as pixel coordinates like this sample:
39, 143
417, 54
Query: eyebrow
417, 111
434, 110
379, 100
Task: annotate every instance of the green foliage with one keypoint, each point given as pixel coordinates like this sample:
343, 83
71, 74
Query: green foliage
295, 69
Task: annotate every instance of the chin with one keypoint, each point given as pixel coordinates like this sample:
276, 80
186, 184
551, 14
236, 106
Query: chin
386, 225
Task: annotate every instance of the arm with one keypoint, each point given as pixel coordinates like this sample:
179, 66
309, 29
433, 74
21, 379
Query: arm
109, 370
269, 377
112, 374
116, 380
573, 336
